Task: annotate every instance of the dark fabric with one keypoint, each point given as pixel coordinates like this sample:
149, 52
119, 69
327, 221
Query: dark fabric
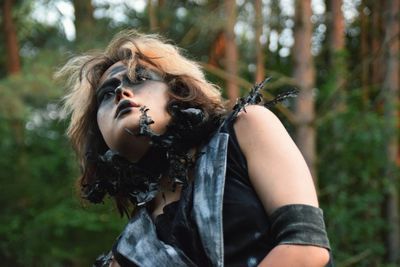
175, 226
248, 237
299, 224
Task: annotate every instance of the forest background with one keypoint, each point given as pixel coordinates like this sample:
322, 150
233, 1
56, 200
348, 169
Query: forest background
343, 56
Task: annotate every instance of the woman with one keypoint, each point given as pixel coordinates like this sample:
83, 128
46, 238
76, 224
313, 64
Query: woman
203, 187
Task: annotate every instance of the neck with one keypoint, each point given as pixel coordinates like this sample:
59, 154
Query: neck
165, 196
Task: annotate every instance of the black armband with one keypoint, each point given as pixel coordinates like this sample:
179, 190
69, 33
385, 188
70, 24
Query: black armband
299, 225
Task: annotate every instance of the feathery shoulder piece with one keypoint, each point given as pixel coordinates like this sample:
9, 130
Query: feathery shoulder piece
255, 97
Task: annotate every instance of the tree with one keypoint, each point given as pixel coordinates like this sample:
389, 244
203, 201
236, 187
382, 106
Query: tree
231, 53
217, 50
364, 47
337, 48
304, 74
84, 21
337, 41
153, 19
10, 35
376, 42
259, 46
391, 93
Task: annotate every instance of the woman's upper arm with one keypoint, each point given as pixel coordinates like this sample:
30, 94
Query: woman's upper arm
276, 167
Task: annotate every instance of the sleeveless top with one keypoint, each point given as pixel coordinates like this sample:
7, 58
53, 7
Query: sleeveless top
246, 227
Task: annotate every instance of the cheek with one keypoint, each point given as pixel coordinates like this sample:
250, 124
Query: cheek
102, 121
158, 112
165, 118
105, 127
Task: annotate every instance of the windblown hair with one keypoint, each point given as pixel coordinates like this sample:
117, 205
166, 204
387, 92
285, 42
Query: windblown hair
186, 82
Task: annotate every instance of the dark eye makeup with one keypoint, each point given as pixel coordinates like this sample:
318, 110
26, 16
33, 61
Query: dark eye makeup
107, 90
144, 74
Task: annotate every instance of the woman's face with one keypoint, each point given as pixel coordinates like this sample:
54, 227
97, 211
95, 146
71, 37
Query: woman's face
119, 109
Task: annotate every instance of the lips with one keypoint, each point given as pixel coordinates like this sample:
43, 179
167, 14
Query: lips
124, 107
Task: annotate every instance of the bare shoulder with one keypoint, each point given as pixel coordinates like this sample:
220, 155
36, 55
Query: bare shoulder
276, 167
258, 117
254, 112
258, 122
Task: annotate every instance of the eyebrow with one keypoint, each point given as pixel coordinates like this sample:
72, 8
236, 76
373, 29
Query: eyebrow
109, 83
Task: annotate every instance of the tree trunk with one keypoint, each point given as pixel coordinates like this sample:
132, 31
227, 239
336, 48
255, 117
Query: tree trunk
337, 34
84, 21
231, 54
163, 18
364, 55
217, 50
304, 74
337, 47
391, 93
153, 21
10, 36
376, 40
260, 73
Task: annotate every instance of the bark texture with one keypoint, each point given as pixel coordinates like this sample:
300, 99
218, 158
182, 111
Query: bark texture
364, 49
153, 20
217, 50
84, 21
304, 75
11, 39
376, 42
231, 53
260, 73
337, 41
337, 47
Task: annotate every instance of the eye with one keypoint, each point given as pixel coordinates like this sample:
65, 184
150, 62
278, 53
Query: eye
107, 90
105, 94
141, 77
108, 94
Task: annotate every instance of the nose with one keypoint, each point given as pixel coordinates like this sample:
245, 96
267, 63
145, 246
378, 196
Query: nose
121, 92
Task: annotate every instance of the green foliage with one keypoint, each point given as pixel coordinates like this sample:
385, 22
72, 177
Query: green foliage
42, 223
352, 182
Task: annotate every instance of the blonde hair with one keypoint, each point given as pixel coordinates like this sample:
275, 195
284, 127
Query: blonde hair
184, 77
